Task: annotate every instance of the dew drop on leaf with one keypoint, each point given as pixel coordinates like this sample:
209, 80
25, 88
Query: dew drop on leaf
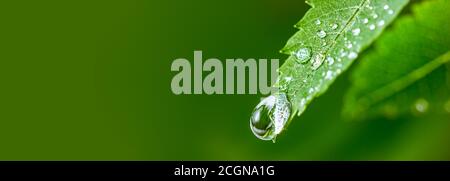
381, 23
318, 22
386, 7
270, 116
317, 61
375, 16
330, 60
334, 26
356, 31
372, 27
329, 75
321, 34
303, 55
365, 20
352, 55
391, 11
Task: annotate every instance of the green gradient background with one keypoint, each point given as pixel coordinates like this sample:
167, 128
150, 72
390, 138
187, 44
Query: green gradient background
90, 80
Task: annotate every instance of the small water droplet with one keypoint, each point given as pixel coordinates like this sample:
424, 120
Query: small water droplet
375, 16
352, 55
386, 7
329, 75
311, 90
381, 23
356, 31
365, 20
288, 79
372, 27
321, 34
270, 116
391, 11
334, 26
330, 60
318, 22
421, 105
349, 45
338, 71
317, 61
303, 55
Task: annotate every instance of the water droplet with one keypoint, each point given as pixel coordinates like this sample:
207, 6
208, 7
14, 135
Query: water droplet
329, 75
365, 20
421, 105
321, 34
330, 60
391, 11
288, 79
356, 31
338, 71
318, 22
381, 23
372, 27
334, 26
352, 55
311, 90
317, 61
349, 45
303, 55
270, 116
386, 7
375, 16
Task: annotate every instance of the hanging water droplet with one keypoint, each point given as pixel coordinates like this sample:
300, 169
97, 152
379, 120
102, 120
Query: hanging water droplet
321, 34
317, 61
270, 116
356, 31
365, 20
421, 105
330, 60
372, 27
381, 23
386, 7
303, 55
391, 11
352, 55
334, 26
318, 22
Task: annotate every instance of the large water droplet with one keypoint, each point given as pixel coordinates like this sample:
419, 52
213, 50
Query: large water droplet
303, 55
386, 7
270, 116
381, 23
372, 27
321, 34
329, 75
391, 11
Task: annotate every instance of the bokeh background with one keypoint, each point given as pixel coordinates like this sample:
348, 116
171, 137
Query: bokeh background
90, 80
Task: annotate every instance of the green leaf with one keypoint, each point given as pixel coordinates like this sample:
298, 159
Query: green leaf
408, 70
330, 37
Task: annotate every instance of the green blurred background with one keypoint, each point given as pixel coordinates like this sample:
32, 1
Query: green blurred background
90, 80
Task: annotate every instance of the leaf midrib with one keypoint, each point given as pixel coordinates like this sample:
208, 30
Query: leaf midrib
405, 81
